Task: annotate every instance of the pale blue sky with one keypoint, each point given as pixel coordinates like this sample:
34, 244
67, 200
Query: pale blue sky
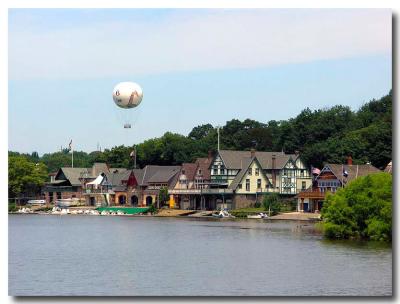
195, 67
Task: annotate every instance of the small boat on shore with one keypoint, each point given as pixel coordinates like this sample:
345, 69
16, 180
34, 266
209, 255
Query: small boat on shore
258, 216
36, 202
223, 214
25, 210
64, 202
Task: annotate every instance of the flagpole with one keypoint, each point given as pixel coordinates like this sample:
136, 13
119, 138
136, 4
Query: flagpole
135, 156
72, 149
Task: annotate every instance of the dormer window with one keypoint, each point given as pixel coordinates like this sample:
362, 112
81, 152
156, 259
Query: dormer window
250, 171
199, 172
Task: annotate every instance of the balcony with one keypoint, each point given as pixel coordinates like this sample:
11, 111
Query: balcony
314, 194
94, 191
201, 191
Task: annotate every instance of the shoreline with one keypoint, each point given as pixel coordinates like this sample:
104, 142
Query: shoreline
279, 217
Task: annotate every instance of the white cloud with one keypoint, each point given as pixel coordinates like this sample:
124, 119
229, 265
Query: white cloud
212, 39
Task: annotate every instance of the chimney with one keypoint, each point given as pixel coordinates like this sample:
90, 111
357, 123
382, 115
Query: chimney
349, 161
252, 152
273, 171
210, 154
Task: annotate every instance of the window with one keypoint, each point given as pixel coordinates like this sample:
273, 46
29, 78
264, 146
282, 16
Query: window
183, 171
259, 183
303, 185
199, 171
58, 195
240, 186
249, 172
301, 173
247, 185
257, 171
222, 170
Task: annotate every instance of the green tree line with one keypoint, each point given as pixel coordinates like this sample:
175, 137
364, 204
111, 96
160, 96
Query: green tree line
324, 135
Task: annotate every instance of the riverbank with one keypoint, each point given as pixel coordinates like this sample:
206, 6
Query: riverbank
289, 216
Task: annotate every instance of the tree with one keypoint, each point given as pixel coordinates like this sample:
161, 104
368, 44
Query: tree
271, 203
25, 177
200, 132
361, 210
163, 195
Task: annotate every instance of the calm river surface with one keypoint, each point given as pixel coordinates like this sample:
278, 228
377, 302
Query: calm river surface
129, 256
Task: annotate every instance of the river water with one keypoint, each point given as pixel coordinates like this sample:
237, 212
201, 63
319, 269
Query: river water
137, 256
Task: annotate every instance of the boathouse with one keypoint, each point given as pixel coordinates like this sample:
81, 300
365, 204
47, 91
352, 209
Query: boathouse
331, 178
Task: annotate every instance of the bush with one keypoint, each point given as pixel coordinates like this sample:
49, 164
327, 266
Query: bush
152, 209
12, 207
361, 210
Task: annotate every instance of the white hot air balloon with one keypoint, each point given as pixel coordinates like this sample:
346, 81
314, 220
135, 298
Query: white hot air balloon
127, 95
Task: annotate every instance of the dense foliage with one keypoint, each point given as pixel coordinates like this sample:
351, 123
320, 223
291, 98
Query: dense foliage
24, 176
325, 135
361, 210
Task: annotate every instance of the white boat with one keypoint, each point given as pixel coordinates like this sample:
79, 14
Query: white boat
223, 214
64, 202
25, 210
37, 202
258, 216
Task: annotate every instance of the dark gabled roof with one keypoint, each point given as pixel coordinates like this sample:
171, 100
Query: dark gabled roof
115, 179
233, 159
353, 171
163, 173
99, 168
204, 165
189, 170
74, 174
138, 175
246, 162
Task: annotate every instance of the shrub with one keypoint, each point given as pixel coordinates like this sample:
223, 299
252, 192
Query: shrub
363, 209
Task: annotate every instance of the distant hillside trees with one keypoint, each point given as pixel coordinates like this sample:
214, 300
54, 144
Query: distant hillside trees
324, 135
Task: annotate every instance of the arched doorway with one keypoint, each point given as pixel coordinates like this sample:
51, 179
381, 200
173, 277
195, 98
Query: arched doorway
149, 200
134, 200
122, 199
